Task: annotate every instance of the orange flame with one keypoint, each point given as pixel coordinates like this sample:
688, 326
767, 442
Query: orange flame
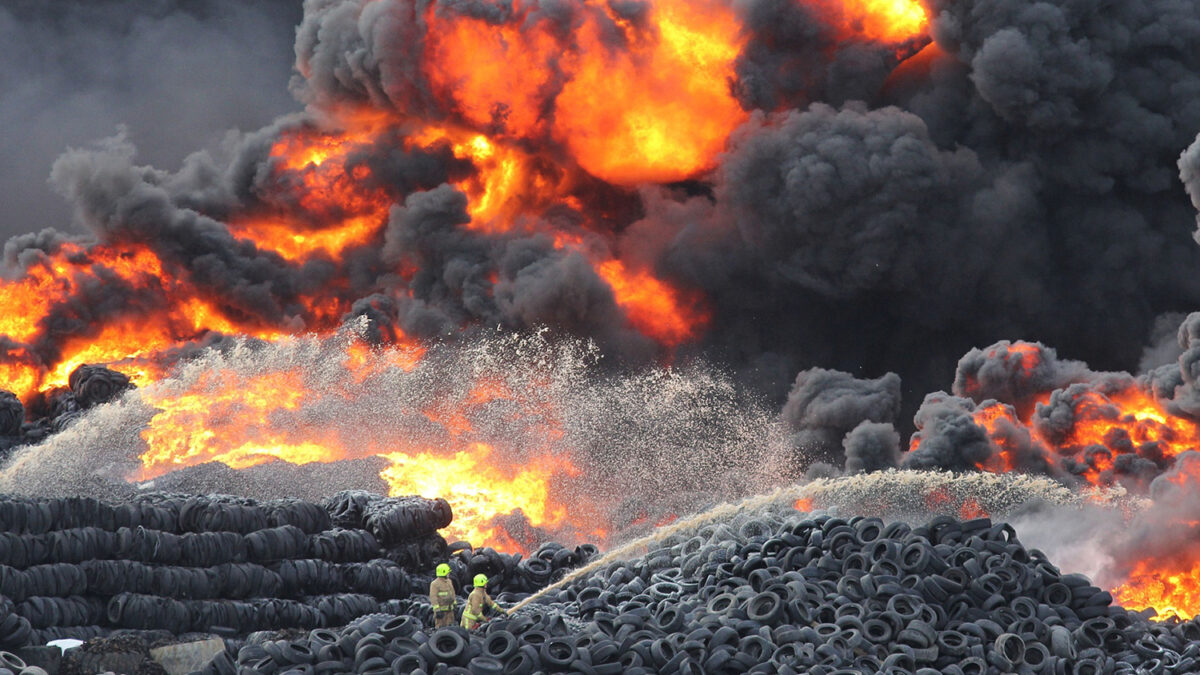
336, 208
536, 115
1172, 591
661, 108
242, 421
885, 20
479, 489
654, 308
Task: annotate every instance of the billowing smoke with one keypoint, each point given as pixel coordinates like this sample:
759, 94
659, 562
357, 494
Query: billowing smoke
177, 73
825, 405
873, 213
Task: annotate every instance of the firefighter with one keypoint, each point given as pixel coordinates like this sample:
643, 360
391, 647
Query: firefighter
442, 597
477, 601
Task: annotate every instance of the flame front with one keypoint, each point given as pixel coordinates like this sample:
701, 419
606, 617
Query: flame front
544, 125
479, 490
248, 419
1098, 430
1171, 590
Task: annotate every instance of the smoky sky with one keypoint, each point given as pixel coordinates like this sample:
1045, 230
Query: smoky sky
178, 74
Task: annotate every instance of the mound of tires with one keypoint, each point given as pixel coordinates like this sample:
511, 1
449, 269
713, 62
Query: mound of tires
778, 594
81, 568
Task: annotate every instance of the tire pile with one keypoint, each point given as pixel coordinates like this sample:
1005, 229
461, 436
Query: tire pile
779, 594
88, 386
81, 568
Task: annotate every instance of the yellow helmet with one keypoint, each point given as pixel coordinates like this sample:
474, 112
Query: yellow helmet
480, 580
443, 570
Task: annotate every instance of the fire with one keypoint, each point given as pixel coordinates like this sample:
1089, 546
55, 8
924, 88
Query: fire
290, 414
337, 208
494, 75
225, 418
885, 20
990, 418
1090, 431
653, 307
478, 489
804, 504
660, 109
971, 509
504, 183
1172, 591
1129, 416
544, 126
127, 342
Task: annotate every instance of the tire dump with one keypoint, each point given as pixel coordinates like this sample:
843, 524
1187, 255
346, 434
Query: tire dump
600, 336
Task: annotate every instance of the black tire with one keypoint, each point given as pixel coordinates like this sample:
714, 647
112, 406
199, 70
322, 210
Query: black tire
447, 645
765, 608
500, 644
558, 652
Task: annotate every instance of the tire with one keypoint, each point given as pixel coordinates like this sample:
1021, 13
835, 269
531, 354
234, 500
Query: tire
765, 608
500, 645
558, 652
447, 645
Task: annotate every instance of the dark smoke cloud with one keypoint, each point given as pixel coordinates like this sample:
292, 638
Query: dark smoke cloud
872, 446
177, 73
1015, 374
117, 200
825, 405
1179, 383
985, 205
1189, 172
948, 435
799, 54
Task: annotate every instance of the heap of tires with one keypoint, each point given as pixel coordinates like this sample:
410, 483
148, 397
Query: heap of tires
779, 593
81, 568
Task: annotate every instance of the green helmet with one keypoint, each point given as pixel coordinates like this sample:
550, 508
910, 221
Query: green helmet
480, 580
443, 570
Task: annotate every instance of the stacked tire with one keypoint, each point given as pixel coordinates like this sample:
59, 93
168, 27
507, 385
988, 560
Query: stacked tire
777, 593
82, 568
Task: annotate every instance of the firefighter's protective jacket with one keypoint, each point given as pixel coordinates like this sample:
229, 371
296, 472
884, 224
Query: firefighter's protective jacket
476, 602
441, 594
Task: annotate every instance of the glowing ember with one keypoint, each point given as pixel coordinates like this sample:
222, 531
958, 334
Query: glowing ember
803, 504
971, 509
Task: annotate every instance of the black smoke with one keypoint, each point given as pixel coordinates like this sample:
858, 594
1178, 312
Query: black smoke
177, 73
